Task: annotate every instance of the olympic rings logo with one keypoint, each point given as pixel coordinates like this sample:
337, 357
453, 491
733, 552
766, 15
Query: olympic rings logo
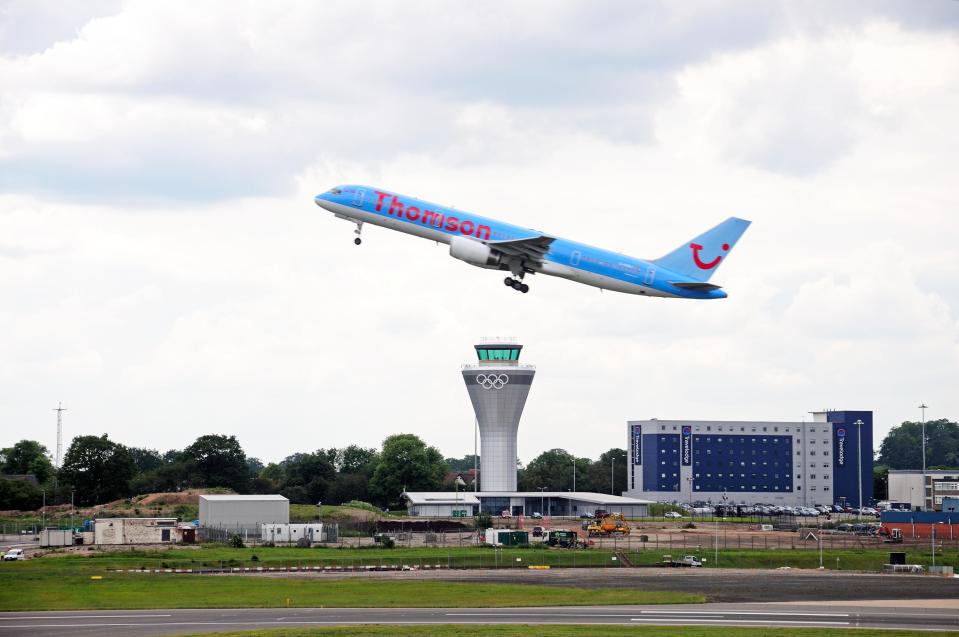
492, 381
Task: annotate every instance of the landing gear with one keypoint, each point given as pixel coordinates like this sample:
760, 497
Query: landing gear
357, 241
358, 232
516, 284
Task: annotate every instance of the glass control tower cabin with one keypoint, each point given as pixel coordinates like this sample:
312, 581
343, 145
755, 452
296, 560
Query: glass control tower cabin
498, 386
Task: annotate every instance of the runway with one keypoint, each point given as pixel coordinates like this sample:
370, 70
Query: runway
177, 622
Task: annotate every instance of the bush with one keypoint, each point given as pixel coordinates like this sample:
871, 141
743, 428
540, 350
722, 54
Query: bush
689, 525
483, 521
236, 542
387, 543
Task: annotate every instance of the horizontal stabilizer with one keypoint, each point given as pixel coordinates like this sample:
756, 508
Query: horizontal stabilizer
696, 287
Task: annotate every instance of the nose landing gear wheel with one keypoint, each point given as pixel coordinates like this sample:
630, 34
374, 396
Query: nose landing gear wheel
357, 241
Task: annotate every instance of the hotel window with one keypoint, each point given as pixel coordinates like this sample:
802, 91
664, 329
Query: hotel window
825, 488
812, 430
825, 476
825, 465
812, 453
825, 452
812, 476
812, 488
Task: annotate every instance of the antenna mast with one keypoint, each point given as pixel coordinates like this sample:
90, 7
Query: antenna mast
60, 409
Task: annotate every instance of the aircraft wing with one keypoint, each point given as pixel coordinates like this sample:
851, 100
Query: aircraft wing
529, 249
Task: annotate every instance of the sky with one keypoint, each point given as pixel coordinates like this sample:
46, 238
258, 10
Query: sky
165, 273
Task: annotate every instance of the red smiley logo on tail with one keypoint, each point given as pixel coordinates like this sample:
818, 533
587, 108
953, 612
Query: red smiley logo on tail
702, 265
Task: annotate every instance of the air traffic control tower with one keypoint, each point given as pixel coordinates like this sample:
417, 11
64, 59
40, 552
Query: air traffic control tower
498, 386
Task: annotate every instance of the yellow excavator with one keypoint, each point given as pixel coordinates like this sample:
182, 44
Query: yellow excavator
611, 524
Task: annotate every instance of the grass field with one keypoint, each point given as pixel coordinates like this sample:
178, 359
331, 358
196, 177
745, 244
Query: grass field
218, 556
572, 631
63, 580
126, 591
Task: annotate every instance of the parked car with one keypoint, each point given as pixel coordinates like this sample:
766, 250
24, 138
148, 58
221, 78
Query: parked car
14, 555
505, 513
586, 516
536, 516
672, 514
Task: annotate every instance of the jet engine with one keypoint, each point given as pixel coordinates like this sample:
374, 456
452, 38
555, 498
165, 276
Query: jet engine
473, 252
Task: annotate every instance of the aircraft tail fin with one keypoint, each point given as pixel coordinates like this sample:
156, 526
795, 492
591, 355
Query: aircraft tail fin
701, 257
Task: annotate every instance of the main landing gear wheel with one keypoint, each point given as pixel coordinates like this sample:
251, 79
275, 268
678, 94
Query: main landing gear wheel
508, 281
523, 288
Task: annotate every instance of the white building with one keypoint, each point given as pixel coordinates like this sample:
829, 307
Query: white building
134, 531
520, 503
243, 512
923, 492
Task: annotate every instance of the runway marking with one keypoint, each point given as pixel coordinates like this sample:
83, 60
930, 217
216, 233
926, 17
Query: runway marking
737, 621
4, 618
740, 612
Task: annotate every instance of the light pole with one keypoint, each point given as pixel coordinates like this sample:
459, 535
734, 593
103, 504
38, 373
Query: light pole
923, 408
71, 510
574, 474
612, 477
541, 489
43, 512
319, 513
858, 424
716, 543
820, 543
456, 485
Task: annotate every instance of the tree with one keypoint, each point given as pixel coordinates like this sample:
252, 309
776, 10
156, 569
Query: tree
27, 457
553, 469
98, 469
598, 473
462, 465
216, 461
355, 459
902, 447
19, 495
406, 462
146, 459
880, 482
307, 476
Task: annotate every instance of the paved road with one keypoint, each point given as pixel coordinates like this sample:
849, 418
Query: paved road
718, 585
177, 622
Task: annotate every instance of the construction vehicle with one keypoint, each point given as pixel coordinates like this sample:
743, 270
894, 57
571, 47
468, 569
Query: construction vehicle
895, 537
612, 524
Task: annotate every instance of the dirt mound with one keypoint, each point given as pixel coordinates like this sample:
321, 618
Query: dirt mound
189, 496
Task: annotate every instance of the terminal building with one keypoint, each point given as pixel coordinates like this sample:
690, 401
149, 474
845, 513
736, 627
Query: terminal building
498, 386
825, 461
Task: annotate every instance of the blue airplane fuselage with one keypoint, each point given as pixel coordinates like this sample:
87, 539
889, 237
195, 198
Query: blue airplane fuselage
466, 232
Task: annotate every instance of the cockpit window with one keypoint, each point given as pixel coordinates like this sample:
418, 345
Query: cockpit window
335, 191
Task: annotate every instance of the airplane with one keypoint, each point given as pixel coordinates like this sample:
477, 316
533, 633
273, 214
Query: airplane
487, 243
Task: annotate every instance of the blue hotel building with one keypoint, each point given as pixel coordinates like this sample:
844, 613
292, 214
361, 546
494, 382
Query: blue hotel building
779, 463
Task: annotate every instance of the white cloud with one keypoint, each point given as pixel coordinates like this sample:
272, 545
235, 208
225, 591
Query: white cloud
166, 273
